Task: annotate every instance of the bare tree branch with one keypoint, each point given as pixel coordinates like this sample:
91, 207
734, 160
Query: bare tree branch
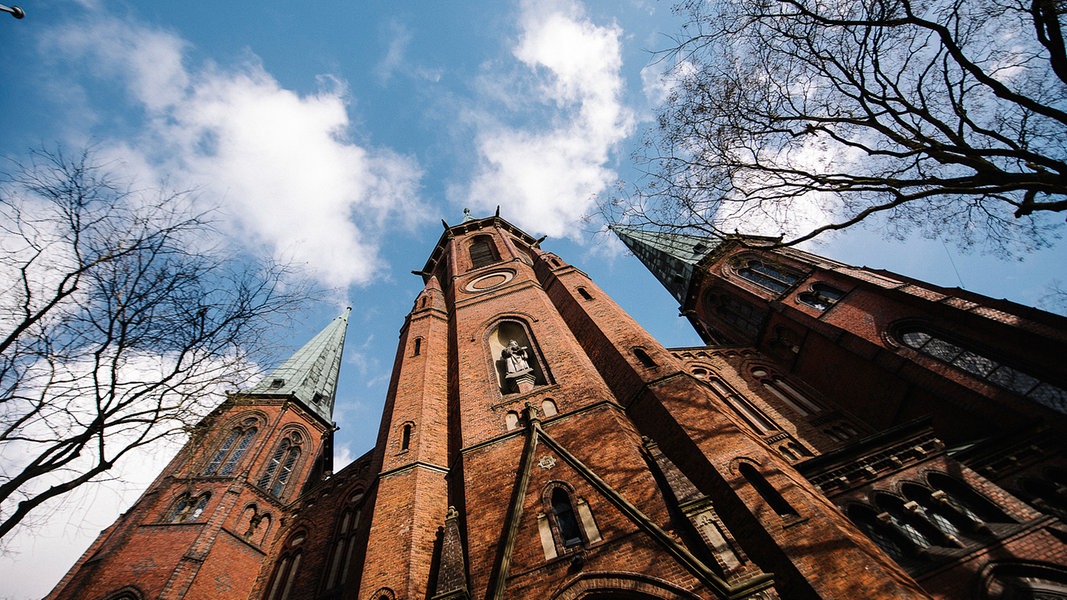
118, 328
947, 116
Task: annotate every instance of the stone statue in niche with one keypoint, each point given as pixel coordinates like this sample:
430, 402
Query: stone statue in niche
516, 358
517, 368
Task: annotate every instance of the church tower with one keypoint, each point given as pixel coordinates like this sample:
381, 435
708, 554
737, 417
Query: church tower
934, 418
537, 443
203, 528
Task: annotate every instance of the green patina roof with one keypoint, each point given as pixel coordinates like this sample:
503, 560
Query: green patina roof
670, 256
310, 374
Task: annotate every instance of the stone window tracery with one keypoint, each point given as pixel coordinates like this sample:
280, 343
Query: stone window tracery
232, 449
281, 584
820, 296
344, 545
188, 508
787, 393
281, 465
766, 275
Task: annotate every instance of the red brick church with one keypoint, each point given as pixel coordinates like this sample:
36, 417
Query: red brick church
844, 433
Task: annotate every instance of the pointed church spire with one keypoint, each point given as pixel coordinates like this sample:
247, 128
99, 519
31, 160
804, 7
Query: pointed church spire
670, 256
311, 372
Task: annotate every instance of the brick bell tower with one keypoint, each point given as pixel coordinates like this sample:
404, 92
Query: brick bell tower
204, 526
537, 443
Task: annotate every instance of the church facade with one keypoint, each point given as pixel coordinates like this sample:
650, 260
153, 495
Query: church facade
844, 433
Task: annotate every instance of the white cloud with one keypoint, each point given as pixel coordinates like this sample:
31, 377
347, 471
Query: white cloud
546, 174
282, 164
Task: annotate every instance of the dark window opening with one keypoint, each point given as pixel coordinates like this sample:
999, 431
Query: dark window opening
565, 518
277, 384
418, 347
767, 491
584, 294
985, 368
643, 356
405, 437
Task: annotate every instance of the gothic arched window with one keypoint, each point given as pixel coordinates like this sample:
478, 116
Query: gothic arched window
769, 276
281, 584
232, 449
281, 465
483, 252
566, 523
961, 355
967, 501
345, 543
876, 529
821, 296
188, 508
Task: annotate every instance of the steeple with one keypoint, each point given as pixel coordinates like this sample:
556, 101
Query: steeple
310, 374
670, 256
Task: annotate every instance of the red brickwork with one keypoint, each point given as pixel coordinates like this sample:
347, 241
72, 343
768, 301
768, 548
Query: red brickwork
764, 444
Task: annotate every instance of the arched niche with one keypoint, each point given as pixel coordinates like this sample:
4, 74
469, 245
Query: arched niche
518, 364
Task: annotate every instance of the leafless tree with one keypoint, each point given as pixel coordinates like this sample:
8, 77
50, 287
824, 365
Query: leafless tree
118, 325
943, 116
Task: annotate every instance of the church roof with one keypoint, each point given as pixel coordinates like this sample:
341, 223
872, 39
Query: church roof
310, 374
670, 256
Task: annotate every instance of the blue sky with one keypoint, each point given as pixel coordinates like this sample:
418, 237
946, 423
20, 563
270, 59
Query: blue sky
336, 136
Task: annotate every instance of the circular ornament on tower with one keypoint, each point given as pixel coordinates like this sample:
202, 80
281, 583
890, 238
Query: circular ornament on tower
489, 281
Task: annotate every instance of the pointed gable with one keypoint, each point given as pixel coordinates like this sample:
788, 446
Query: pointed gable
310, 374
670, 256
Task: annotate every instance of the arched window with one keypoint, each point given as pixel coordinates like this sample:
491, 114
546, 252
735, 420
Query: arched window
344, 544
232, 449
937, 513
405, 436
788, 394
483, 252
281, 465
643, 356
966, 500
751, 414
584, 294
821, 296
769, 276
254, 525
566, 520
974, 362
917, 530
188, 508
876, 529
418, 347
766, 491
281, 584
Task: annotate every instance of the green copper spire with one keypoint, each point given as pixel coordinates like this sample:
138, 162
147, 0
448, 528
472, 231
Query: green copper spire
670, 256
310, 375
